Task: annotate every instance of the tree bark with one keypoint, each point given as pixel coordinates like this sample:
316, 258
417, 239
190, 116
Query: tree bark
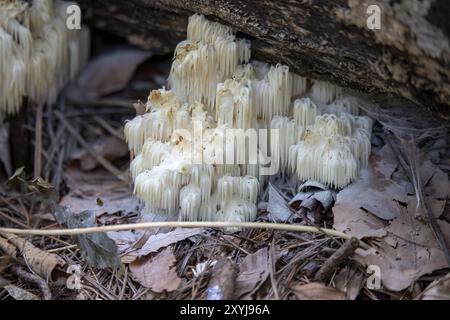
327, 40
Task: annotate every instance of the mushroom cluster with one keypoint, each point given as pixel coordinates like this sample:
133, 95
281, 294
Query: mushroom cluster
187, 163
38, 53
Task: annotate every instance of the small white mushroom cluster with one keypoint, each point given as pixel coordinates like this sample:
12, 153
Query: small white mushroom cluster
181, 147
210, 55
38, 53
175, 171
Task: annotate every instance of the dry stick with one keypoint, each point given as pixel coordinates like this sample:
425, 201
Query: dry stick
27, 276
345, 251
105, 163
124, 285
432, 219
38, 141
180, 224
105, 125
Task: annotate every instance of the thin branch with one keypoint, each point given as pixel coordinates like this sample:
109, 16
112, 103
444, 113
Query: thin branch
29, 277
104, 162
339, 256
180, 224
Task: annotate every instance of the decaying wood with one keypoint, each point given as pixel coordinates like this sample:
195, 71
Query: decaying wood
330, 265
320, 39
33, 278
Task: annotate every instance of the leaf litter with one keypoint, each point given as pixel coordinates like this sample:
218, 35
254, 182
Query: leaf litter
122, 265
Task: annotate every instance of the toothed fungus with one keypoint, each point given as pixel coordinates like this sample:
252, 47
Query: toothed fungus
186, 159
38, 53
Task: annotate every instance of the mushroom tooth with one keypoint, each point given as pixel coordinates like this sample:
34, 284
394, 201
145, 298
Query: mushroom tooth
234, 104
305, 112
237, 210
190, 203
298, 84
134, 134
137, 166
362, 137
249, 189
365, 123
159, 188
280, 143
201, 29
273, 92
244, 71
155, 152
343, 104
324, 92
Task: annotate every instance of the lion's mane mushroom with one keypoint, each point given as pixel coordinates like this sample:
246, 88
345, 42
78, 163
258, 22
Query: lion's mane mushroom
38, 53
181, 144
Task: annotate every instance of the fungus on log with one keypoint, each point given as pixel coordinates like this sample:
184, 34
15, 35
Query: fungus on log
198, 146
323, 40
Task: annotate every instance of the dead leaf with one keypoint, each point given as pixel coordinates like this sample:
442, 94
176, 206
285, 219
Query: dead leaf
362, 208
277, 207
438, 289
111, 148
350, 281
5, 263
317, 291
40, 261
101, 192
153, 244
110, 206
97, 249
253, 272
3, 282
416, 251
377, 206
439, 184
19, 293
8, 248
123, 239
157, 272
106, 74
140, 108
221, 284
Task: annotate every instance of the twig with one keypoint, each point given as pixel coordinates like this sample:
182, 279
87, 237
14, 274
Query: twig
180, 224
105, 163
27, 276
346, 250
124, 286
105, 125
38, 141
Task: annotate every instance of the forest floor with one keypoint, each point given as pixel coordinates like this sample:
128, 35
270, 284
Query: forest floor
85, 169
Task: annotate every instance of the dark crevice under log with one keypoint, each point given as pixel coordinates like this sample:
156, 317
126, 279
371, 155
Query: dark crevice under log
321, 39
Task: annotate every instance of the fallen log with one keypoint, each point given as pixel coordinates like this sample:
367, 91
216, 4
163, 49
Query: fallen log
327, 40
